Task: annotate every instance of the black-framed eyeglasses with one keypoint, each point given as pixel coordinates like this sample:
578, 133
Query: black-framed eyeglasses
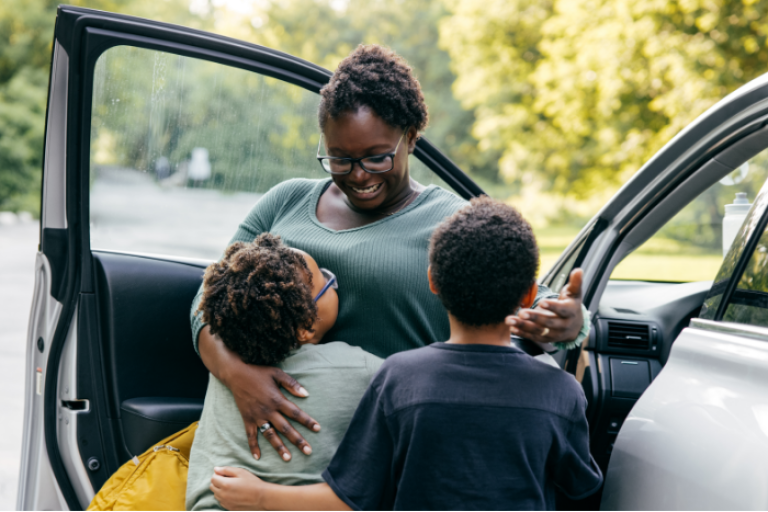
330, 282
374, 164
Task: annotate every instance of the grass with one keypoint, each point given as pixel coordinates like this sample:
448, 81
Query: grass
657, 260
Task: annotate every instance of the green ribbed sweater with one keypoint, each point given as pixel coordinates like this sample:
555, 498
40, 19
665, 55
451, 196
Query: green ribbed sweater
385, 305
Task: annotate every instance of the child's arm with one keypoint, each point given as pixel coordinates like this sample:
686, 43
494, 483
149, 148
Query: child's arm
238, 489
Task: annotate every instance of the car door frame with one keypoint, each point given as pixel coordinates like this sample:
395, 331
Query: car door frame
80, 37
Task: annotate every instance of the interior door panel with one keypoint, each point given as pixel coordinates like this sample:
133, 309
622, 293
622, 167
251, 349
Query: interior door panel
154, 379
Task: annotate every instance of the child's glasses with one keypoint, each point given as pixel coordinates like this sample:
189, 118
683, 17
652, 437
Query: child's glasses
330, 282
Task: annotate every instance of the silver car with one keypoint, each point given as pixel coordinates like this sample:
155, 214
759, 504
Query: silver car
160, 138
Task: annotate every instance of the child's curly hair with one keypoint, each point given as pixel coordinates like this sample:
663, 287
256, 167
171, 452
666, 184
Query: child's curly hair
256, 299
484, 258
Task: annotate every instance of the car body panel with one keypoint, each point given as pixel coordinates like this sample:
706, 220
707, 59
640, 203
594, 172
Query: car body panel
41, 491
698, 437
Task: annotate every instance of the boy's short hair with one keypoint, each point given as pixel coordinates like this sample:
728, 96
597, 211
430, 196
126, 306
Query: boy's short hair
484, 259
257, 297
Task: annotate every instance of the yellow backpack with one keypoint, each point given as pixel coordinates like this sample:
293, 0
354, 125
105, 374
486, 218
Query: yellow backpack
155, 480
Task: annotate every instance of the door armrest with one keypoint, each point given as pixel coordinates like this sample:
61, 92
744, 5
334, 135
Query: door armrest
147, 420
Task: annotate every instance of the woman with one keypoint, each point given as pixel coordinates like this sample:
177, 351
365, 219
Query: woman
370, 224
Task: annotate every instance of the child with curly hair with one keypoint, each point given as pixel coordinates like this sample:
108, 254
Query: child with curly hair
469, 424
272, 305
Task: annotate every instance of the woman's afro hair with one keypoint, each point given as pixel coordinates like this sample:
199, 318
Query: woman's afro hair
257, 298
483, 260
377, 78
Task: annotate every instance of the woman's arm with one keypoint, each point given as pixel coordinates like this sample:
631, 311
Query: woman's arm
238, 489
257, 394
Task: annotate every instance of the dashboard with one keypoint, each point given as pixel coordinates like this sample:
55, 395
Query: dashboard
667, 307
635, 326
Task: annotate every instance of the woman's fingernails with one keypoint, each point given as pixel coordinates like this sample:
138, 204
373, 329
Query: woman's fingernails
512, 322
303, 392
256, 456
545, 305
524, 315
216, 468
316, 427
514, 330
307, 450
286, 457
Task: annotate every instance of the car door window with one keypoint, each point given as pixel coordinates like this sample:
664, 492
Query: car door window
749, 302
182, 148
734, 256
689, 247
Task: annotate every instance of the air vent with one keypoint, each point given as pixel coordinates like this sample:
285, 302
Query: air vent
621, 335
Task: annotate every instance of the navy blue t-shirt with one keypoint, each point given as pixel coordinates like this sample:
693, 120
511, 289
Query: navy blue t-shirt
465, 427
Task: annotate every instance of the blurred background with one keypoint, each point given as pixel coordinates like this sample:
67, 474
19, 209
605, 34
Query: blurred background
550, 105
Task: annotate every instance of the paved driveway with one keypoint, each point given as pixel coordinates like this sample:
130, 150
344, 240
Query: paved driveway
18, 245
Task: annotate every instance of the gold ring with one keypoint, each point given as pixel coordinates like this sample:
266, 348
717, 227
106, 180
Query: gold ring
545, 331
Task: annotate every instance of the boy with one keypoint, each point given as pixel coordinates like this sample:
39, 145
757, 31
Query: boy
271, 305
472, 423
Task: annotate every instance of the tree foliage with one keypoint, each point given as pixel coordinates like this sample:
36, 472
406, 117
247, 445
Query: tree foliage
571, 96
578, 94
26, 35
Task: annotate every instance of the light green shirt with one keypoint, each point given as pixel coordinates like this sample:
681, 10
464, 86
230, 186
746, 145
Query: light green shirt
336, 376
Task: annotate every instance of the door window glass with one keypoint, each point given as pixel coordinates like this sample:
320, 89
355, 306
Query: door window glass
182, 148
749, 302
731, 260
690, 246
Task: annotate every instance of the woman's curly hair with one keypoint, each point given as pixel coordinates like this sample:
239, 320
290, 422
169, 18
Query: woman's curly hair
257, 298
378, 78
483, 260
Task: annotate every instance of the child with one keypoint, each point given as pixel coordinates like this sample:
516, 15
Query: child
472, 423
271, 305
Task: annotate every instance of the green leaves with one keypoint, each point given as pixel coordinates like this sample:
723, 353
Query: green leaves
578, 94
22, 111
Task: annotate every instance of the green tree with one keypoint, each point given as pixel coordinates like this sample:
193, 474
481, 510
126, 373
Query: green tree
578, 94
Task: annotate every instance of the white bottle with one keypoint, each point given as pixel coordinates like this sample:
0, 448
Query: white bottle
734, 217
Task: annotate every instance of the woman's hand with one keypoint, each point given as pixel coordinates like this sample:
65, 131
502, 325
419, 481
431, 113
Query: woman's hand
237, 489
553, 320
257, 394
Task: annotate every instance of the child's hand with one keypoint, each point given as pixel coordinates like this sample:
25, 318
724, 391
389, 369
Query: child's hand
237, 489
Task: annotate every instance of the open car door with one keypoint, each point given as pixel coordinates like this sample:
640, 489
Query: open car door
159, 139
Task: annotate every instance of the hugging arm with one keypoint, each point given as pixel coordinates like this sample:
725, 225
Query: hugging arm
358, 477
257, 394
238, 489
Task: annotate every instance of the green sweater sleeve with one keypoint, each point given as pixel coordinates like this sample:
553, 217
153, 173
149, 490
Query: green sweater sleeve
546, 293
259, 220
